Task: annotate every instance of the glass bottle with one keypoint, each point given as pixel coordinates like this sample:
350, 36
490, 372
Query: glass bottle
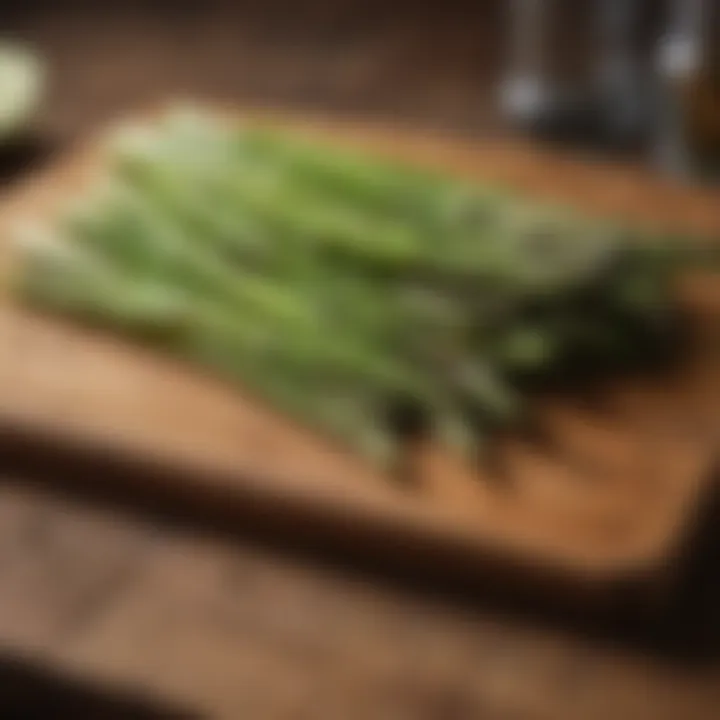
688, 111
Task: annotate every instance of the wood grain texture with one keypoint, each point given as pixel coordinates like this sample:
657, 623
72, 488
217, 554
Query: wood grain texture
652, 457
222, 630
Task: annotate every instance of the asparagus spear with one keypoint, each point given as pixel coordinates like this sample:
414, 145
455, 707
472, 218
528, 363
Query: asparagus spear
203, 333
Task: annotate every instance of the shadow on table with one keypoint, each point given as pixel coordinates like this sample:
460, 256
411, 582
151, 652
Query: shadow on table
23, 155
29, 691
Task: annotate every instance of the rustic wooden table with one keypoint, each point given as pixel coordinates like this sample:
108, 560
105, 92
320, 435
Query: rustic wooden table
222, 629
227, 630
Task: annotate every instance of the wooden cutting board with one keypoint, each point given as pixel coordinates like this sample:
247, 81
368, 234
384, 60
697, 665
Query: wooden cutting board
612, 507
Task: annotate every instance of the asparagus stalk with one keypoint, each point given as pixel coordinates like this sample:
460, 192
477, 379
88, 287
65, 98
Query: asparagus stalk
203, 332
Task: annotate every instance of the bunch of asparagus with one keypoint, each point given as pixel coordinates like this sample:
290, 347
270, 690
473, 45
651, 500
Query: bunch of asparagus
362, 297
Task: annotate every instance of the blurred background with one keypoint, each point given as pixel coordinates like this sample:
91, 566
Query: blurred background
609, 73
109, 610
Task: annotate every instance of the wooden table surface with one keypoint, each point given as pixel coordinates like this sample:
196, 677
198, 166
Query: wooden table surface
216, 626
223, 629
